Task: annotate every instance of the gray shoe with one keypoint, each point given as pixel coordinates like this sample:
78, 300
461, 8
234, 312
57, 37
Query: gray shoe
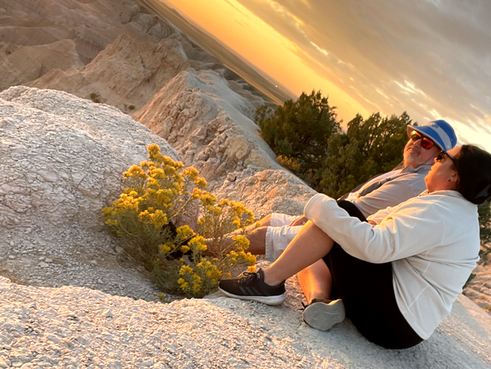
323, 314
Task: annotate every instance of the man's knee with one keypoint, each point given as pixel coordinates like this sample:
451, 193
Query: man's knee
265, 221
257, 240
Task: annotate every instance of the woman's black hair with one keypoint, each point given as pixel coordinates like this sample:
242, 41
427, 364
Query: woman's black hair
473, 166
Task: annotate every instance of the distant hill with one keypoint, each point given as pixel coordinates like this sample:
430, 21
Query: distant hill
267, 85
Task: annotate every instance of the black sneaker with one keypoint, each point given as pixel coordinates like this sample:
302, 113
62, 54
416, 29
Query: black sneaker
251, 286
323, 314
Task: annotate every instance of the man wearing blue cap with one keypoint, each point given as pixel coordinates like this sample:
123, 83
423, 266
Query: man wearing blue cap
390, 189
425, 142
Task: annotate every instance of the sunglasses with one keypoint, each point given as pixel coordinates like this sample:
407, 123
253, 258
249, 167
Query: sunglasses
426, 143
441, 155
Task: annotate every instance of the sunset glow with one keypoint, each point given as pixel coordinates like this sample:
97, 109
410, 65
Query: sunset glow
245, 33
365, 56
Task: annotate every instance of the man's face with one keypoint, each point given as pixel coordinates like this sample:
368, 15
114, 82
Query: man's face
415, 155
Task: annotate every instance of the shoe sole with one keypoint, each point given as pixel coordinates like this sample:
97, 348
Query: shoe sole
323, 316
268, 300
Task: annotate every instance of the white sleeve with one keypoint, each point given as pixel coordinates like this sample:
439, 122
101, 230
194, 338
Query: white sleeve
380, 215
407, 231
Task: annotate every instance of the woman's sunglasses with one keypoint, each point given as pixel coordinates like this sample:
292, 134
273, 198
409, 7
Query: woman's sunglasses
441, 155
426, 143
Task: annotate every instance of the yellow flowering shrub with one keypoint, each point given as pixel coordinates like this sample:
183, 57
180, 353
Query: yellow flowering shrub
181, 260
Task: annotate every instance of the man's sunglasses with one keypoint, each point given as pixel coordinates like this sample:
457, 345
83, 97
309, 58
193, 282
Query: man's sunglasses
442, 155
426, 143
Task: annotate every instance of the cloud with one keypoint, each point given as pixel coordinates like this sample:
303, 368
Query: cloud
321, 50
409, 88
426, 57
283, 11
236, 8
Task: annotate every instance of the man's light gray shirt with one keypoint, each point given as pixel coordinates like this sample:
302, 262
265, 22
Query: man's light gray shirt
401, 186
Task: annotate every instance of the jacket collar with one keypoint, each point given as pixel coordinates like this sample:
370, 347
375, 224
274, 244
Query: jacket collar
451, 193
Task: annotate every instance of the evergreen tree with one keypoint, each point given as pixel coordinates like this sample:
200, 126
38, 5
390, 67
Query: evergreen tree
298, 131
369, 147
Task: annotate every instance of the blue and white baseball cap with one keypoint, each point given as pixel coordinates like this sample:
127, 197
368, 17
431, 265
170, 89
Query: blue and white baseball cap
439, 131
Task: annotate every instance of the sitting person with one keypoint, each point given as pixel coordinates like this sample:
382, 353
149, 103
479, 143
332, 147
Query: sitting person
272, 234
397, 275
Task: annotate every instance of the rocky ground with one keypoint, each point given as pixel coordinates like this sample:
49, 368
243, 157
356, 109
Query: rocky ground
62, 161
73, 327
479, 288
62, 157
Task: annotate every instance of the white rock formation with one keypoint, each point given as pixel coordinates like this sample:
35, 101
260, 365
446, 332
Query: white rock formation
54, 41
62, 161
27, 63
211, 127
81, 328
143, 65
97, 22
32, 29
126, 74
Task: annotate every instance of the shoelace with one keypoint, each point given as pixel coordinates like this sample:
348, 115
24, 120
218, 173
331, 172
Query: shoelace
246, 277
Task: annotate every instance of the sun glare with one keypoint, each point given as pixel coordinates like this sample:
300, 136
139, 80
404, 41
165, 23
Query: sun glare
251, 37
306, 67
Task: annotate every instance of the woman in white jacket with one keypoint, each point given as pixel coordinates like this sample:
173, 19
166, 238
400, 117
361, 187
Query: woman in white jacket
396, 275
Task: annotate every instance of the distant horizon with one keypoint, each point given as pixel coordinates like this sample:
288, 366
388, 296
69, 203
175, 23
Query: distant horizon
365, 57
177, 17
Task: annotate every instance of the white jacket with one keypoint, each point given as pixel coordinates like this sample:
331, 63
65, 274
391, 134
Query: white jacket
431, 240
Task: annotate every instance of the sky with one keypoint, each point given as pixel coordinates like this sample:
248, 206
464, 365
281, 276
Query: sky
430, 58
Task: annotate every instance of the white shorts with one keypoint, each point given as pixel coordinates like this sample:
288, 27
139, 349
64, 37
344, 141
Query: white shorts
279, 235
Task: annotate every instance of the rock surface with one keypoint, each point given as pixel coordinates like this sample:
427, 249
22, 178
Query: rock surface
85, 27
212, 128
479, 288
143, 65
62, 160
73, 327
27, 63
126, 74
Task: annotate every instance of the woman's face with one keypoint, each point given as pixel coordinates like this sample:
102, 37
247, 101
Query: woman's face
442, 175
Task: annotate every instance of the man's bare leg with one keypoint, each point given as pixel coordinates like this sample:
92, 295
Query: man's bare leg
316, 281
257, 239
263, 222
255, 235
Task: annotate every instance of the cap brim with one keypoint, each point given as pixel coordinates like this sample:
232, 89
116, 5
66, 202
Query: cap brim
428, 132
